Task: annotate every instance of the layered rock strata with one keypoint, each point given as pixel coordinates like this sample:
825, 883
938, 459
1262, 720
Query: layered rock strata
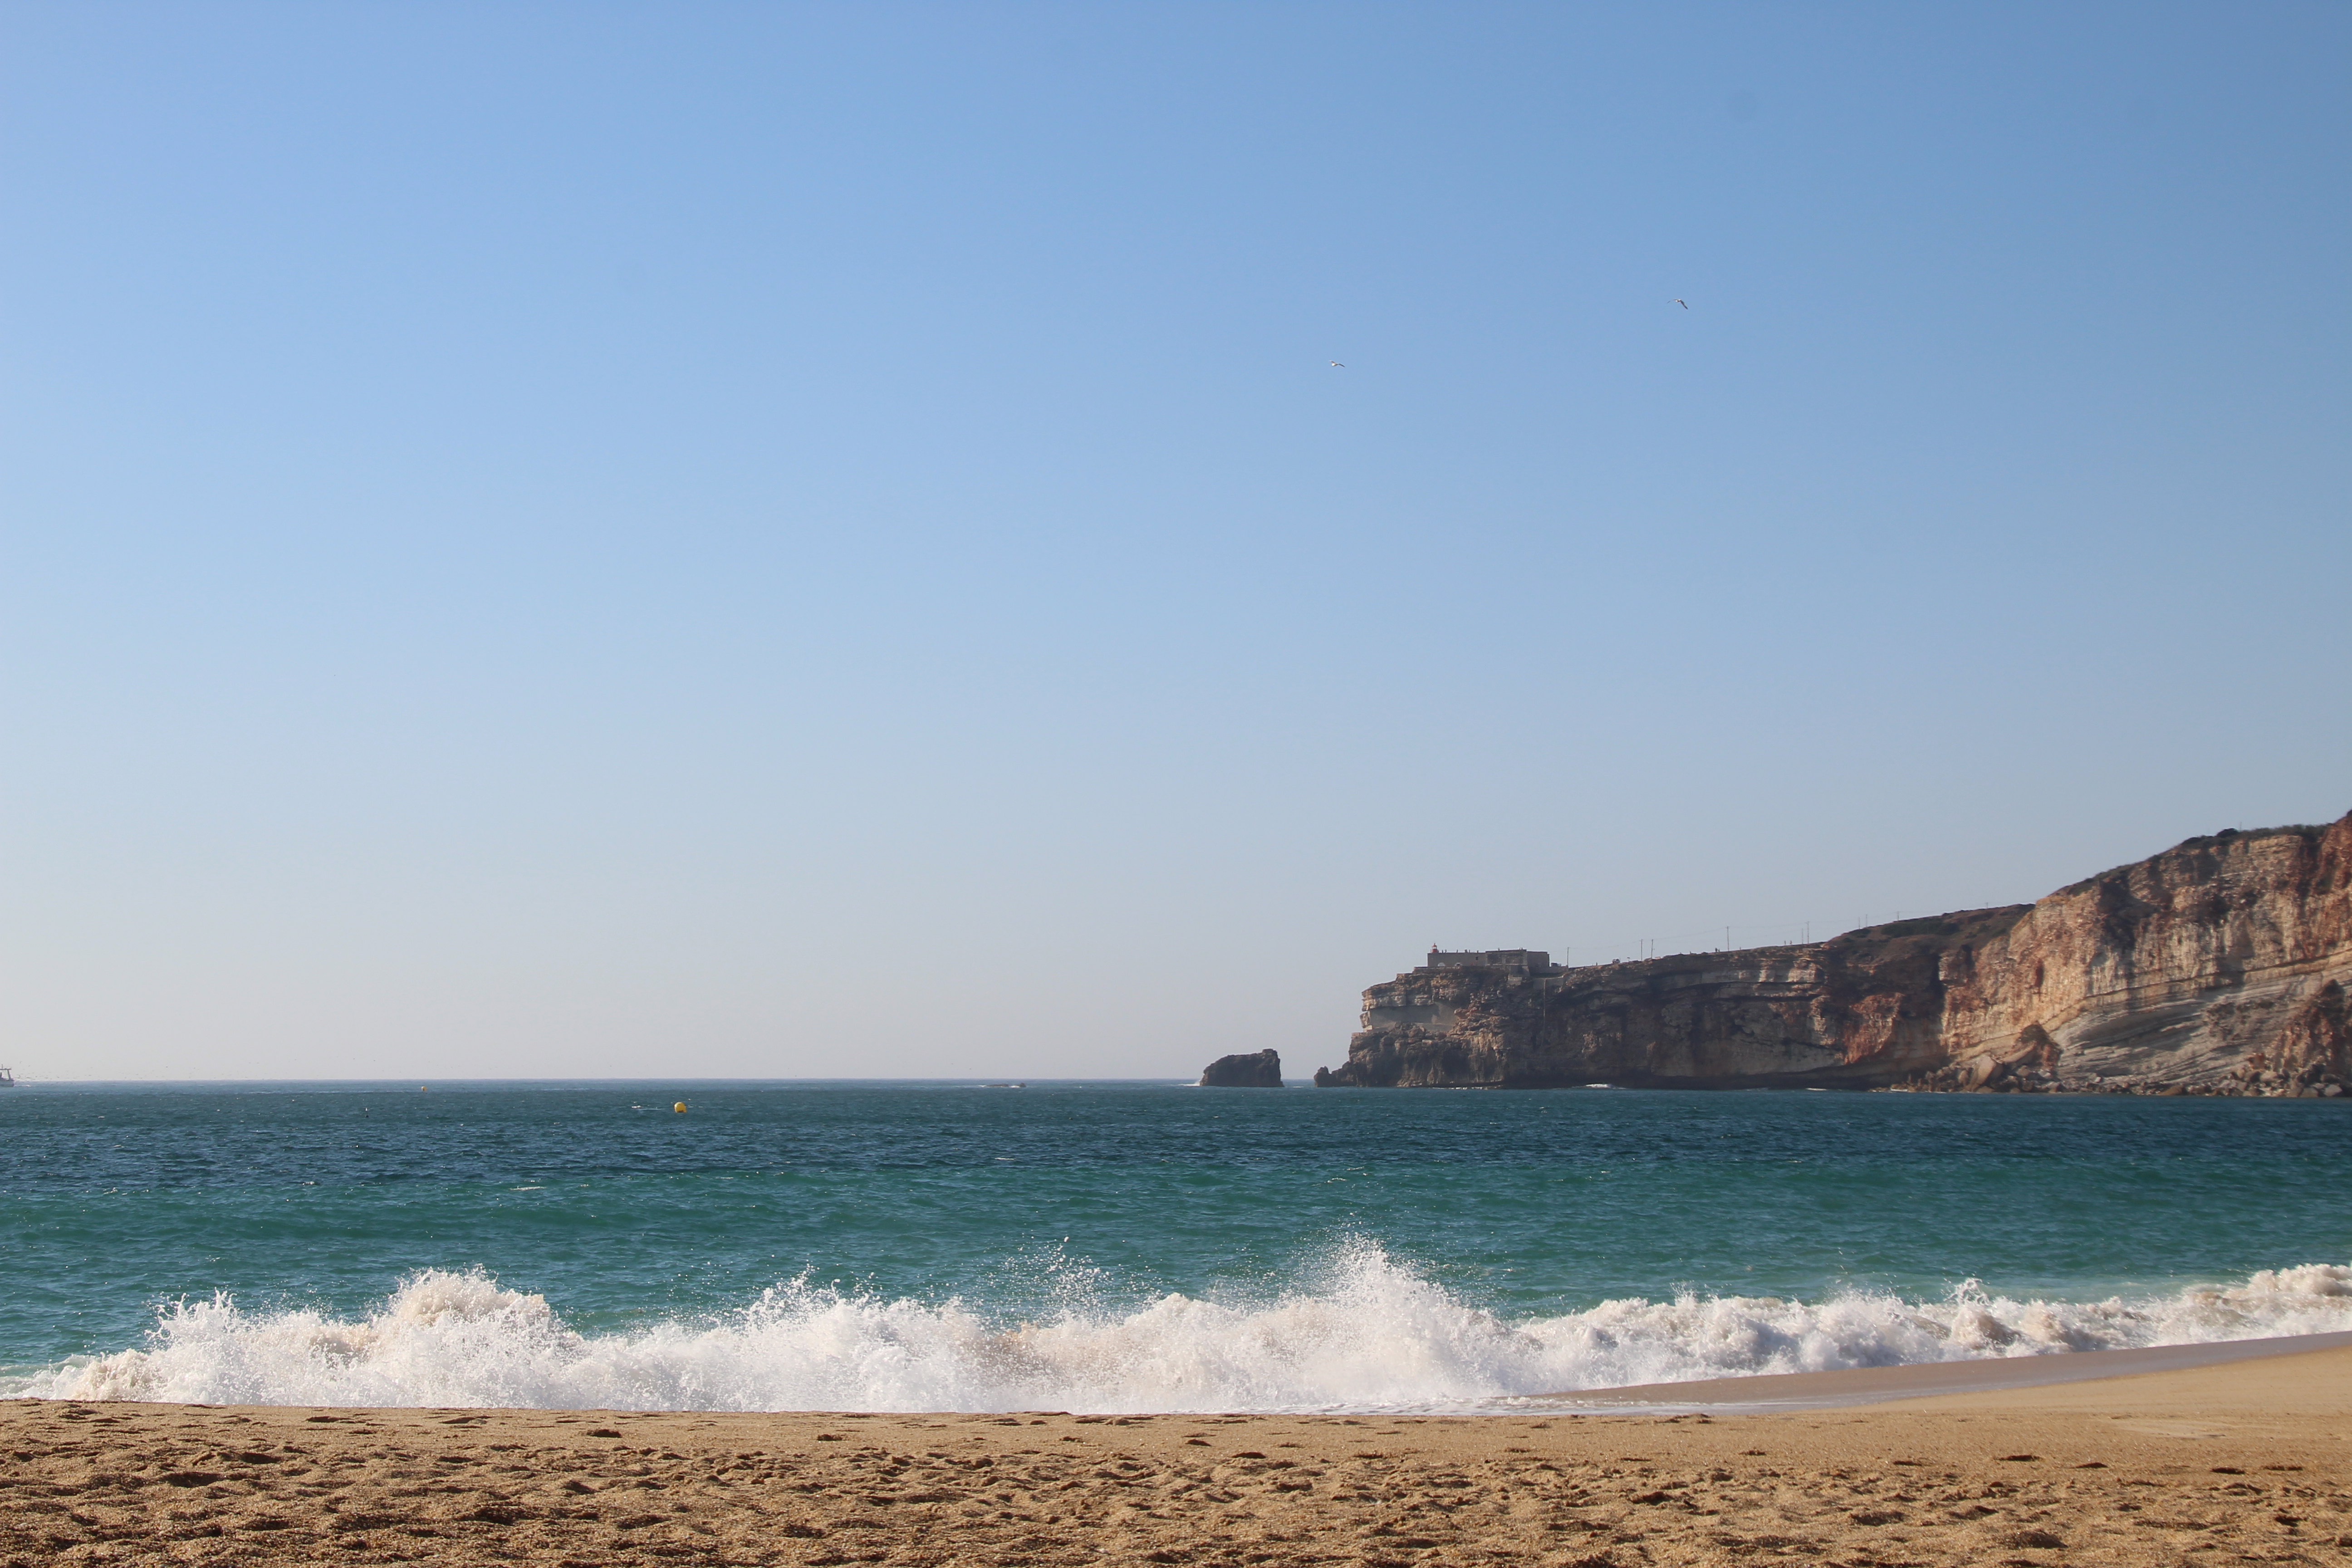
2217, 967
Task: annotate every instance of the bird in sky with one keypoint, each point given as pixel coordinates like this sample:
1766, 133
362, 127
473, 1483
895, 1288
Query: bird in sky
1337, 365
1679, 302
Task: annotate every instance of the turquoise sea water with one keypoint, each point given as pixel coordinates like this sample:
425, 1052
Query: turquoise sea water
1122, 1245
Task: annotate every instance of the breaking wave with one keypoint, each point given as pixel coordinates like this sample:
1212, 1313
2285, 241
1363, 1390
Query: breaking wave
1370, 1334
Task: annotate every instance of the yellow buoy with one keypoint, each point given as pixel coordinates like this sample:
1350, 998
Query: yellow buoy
680, 1106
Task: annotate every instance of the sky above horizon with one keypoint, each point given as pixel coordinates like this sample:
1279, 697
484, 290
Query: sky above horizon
786, 541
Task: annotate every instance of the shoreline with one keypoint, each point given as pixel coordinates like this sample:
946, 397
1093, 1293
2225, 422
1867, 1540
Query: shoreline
1920, 1379
2246, 1458
1749, 1394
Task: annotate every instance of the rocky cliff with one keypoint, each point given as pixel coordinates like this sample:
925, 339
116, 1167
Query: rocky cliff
2219, 966
1258, 1069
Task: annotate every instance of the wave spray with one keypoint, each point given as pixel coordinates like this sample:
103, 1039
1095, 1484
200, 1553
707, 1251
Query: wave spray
1368, 1334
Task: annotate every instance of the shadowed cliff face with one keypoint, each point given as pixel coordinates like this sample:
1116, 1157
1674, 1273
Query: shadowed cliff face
2218, 966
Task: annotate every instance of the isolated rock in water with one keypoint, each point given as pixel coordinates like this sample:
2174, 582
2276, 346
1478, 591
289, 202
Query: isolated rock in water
1260, 1070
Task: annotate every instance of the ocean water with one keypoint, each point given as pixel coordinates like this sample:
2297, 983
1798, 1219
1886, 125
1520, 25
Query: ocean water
1122, 1246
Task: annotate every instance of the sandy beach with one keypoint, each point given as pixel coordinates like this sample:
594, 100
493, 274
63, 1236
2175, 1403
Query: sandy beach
2245, 1461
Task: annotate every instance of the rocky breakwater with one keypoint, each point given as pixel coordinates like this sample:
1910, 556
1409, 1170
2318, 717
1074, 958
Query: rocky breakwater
2217, 967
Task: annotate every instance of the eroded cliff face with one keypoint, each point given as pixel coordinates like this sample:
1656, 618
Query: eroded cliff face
2218, 966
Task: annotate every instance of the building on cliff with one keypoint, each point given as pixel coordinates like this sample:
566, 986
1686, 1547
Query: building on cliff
2217, 967
1510, 960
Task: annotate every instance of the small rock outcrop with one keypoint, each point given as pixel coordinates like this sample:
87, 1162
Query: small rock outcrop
2217, 967
1259, 1069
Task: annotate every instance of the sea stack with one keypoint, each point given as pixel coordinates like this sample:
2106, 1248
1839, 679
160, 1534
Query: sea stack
1261, 1069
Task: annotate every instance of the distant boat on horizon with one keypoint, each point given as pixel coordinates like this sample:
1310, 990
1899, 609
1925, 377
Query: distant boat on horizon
7, 1078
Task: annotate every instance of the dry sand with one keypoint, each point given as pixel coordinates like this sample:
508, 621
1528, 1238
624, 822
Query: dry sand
2218, 1464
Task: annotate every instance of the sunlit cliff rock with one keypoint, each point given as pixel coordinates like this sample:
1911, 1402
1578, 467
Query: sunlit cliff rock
2218, 966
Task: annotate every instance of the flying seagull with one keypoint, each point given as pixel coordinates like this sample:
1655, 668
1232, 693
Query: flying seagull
1679, 302
1337, 365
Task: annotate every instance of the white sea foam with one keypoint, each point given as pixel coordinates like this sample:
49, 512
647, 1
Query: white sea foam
1370, 1336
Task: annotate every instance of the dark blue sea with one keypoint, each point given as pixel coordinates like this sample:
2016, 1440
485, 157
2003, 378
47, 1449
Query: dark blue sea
1121, 1246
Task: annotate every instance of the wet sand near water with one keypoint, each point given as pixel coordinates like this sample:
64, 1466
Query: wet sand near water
2245, 1461
1877, 1384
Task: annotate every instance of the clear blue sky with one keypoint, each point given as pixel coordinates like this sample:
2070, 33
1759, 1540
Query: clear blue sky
777, 539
